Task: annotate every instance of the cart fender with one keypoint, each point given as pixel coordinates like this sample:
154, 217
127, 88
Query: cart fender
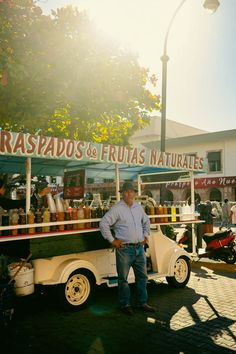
178, 253
68, 267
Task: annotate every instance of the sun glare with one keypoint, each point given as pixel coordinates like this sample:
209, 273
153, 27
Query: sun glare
140, 27
122, 20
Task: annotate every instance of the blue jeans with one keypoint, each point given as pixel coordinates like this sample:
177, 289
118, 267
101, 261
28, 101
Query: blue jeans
126, 257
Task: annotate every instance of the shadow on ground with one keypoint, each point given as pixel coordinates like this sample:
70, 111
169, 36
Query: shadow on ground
39, 326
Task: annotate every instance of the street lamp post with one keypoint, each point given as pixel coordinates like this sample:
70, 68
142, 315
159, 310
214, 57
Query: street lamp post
211, 6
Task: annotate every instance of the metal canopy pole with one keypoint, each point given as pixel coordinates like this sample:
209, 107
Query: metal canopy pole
117, 182
139, 185
193, 210
28, 183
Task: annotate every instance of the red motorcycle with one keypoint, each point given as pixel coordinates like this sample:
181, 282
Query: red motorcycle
220, 245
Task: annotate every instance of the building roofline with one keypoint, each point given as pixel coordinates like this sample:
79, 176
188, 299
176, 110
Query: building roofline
199, 138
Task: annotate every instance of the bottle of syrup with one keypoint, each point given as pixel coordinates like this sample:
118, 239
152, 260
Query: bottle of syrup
94, 216
165, 217
87, 215
74, 216
5, 222
38, 219
46, 219
53, 218
169, 213
14, 221
30, 220
67, 218
173, 213
160, 212
81, 217
152, 212
22, 220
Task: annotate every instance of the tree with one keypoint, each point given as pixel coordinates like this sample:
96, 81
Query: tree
61, 77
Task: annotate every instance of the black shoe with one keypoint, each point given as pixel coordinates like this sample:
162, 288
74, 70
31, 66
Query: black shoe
147, 308
127, 310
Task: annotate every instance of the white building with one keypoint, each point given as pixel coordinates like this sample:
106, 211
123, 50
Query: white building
219, 148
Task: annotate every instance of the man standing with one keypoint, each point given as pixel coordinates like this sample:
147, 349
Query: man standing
131, 228
233, 214
225, 214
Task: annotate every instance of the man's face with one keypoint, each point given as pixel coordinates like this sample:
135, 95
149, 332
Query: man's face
128, 196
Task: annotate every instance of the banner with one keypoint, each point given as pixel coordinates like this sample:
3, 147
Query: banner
30, 145
207, 182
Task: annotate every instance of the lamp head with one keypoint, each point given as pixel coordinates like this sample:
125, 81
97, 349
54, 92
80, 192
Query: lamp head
211, 5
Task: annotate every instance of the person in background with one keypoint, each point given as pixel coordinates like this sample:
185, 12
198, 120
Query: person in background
131, 228
233, 214
225, 214
7, 203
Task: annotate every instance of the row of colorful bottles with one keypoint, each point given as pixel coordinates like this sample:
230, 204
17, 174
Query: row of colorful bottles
19, 217
39, 216
167, 213
85, 212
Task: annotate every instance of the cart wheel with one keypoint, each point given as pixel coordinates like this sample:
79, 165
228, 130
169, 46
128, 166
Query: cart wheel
181, 273
78, 289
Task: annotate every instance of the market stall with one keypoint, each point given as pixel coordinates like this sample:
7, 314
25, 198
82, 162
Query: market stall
75, 242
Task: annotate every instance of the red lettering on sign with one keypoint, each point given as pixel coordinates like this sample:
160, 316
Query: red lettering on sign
104, 151
50, 147
161, 159
128, 158
142, 157
173, 160
70, 148
200, 167
60, 147
6, 138
112, 154
121, 154
185, 163
79, 152
153, 157
134, 158
179, 161
32, 141
19, 143
41, 145
196, 162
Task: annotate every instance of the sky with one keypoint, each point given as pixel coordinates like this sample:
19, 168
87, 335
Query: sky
201, 74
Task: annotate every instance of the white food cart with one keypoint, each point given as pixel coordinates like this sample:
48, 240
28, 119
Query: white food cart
77, 260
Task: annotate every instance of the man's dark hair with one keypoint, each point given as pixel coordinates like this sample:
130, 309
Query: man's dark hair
226, 200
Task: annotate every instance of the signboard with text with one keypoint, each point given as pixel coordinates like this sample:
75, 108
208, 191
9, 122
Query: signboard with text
74, 184
207, 182
31, 145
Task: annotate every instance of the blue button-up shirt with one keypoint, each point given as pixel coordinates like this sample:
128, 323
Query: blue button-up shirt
130, 224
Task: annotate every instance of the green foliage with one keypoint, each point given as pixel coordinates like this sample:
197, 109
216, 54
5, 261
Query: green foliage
59, 76
170, 231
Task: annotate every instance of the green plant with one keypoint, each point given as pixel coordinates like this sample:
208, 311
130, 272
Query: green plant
170, 232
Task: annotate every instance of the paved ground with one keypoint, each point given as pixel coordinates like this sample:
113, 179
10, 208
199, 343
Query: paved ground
198, 319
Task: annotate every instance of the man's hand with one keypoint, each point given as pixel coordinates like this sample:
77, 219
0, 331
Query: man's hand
145, 241
117, 243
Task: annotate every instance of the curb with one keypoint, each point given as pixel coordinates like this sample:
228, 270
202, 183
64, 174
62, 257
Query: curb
224, 267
